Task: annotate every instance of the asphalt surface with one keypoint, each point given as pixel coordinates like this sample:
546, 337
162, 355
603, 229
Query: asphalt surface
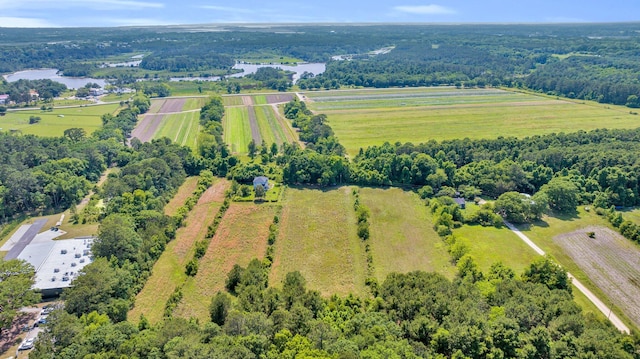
27, 237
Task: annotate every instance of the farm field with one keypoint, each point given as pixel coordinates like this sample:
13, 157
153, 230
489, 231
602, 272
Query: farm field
241, 236
362, 118
174, 118
181, 128
543, 232
256, 117
168, 272
317, 236
402, 236
181, 195
55, 122
611, 261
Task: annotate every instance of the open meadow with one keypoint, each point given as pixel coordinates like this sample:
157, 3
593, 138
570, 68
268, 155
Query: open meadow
241, 237
53, 123
169, 271
317, 236
362, 118
402, 236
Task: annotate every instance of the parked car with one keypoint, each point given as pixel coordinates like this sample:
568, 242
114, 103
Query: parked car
27, 344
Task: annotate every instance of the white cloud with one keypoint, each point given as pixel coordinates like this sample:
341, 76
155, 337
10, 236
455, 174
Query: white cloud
425, 9
134, 22
6, 21
91, 4
226, 9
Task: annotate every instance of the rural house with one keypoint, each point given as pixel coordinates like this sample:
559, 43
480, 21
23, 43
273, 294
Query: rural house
261, 181
461, 202
4, 99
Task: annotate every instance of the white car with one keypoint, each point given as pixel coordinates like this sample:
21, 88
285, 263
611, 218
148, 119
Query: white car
27, 344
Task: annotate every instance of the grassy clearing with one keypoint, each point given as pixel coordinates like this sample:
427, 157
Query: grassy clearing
318, 238
402, 237
363, 118
242, 236
195, 103
115, 97
237, 132
168, 271
181, 128
181, 196
542, 234
55, 122
234, 100
70, 102
260, 99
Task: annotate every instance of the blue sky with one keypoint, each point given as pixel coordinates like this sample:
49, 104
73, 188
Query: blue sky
57, 13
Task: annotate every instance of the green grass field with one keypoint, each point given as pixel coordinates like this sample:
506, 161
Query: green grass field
237, 133
271, 129
402, 235
362, 118
195, 103
241, 236
318, 238
232, 100
181, 128
55, 122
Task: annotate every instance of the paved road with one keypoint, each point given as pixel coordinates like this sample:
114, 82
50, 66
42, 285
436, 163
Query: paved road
27, 237
613, 318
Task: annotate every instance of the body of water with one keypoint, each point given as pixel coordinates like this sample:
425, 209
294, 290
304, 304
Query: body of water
52, 74
247, 69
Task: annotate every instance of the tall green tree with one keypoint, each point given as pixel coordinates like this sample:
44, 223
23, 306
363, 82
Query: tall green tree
16, 279
117, 237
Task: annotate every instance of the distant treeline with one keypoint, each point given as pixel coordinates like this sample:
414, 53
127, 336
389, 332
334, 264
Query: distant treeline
585, 61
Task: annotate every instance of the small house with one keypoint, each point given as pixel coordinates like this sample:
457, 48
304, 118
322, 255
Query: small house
4, 99
96, 91
261, 181
34, 95
461, 202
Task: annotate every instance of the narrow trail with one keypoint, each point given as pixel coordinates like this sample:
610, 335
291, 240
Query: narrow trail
613, 318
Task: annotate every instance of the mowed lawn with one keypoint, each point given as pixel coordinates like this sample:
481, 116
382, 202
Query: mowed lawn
55, 122
241, 236
361, 119
169, 270
318, 238
181, 128
402, 235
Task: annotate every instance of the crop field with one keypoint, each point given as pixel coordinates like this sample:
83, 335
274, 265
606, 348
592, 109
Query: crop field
402, 236
241, 236
168, 271
611, 262
256, 117
362, 118
194, 103
237, 131
317, 237
233, 100
181, 128
175, 119
55, 122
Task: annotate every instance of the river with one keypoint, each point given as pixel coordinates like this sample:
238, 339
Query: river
52, 74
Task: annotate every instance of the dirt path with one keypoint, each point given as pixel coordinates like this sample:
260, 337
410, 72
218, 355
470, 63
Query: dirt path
613, 318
